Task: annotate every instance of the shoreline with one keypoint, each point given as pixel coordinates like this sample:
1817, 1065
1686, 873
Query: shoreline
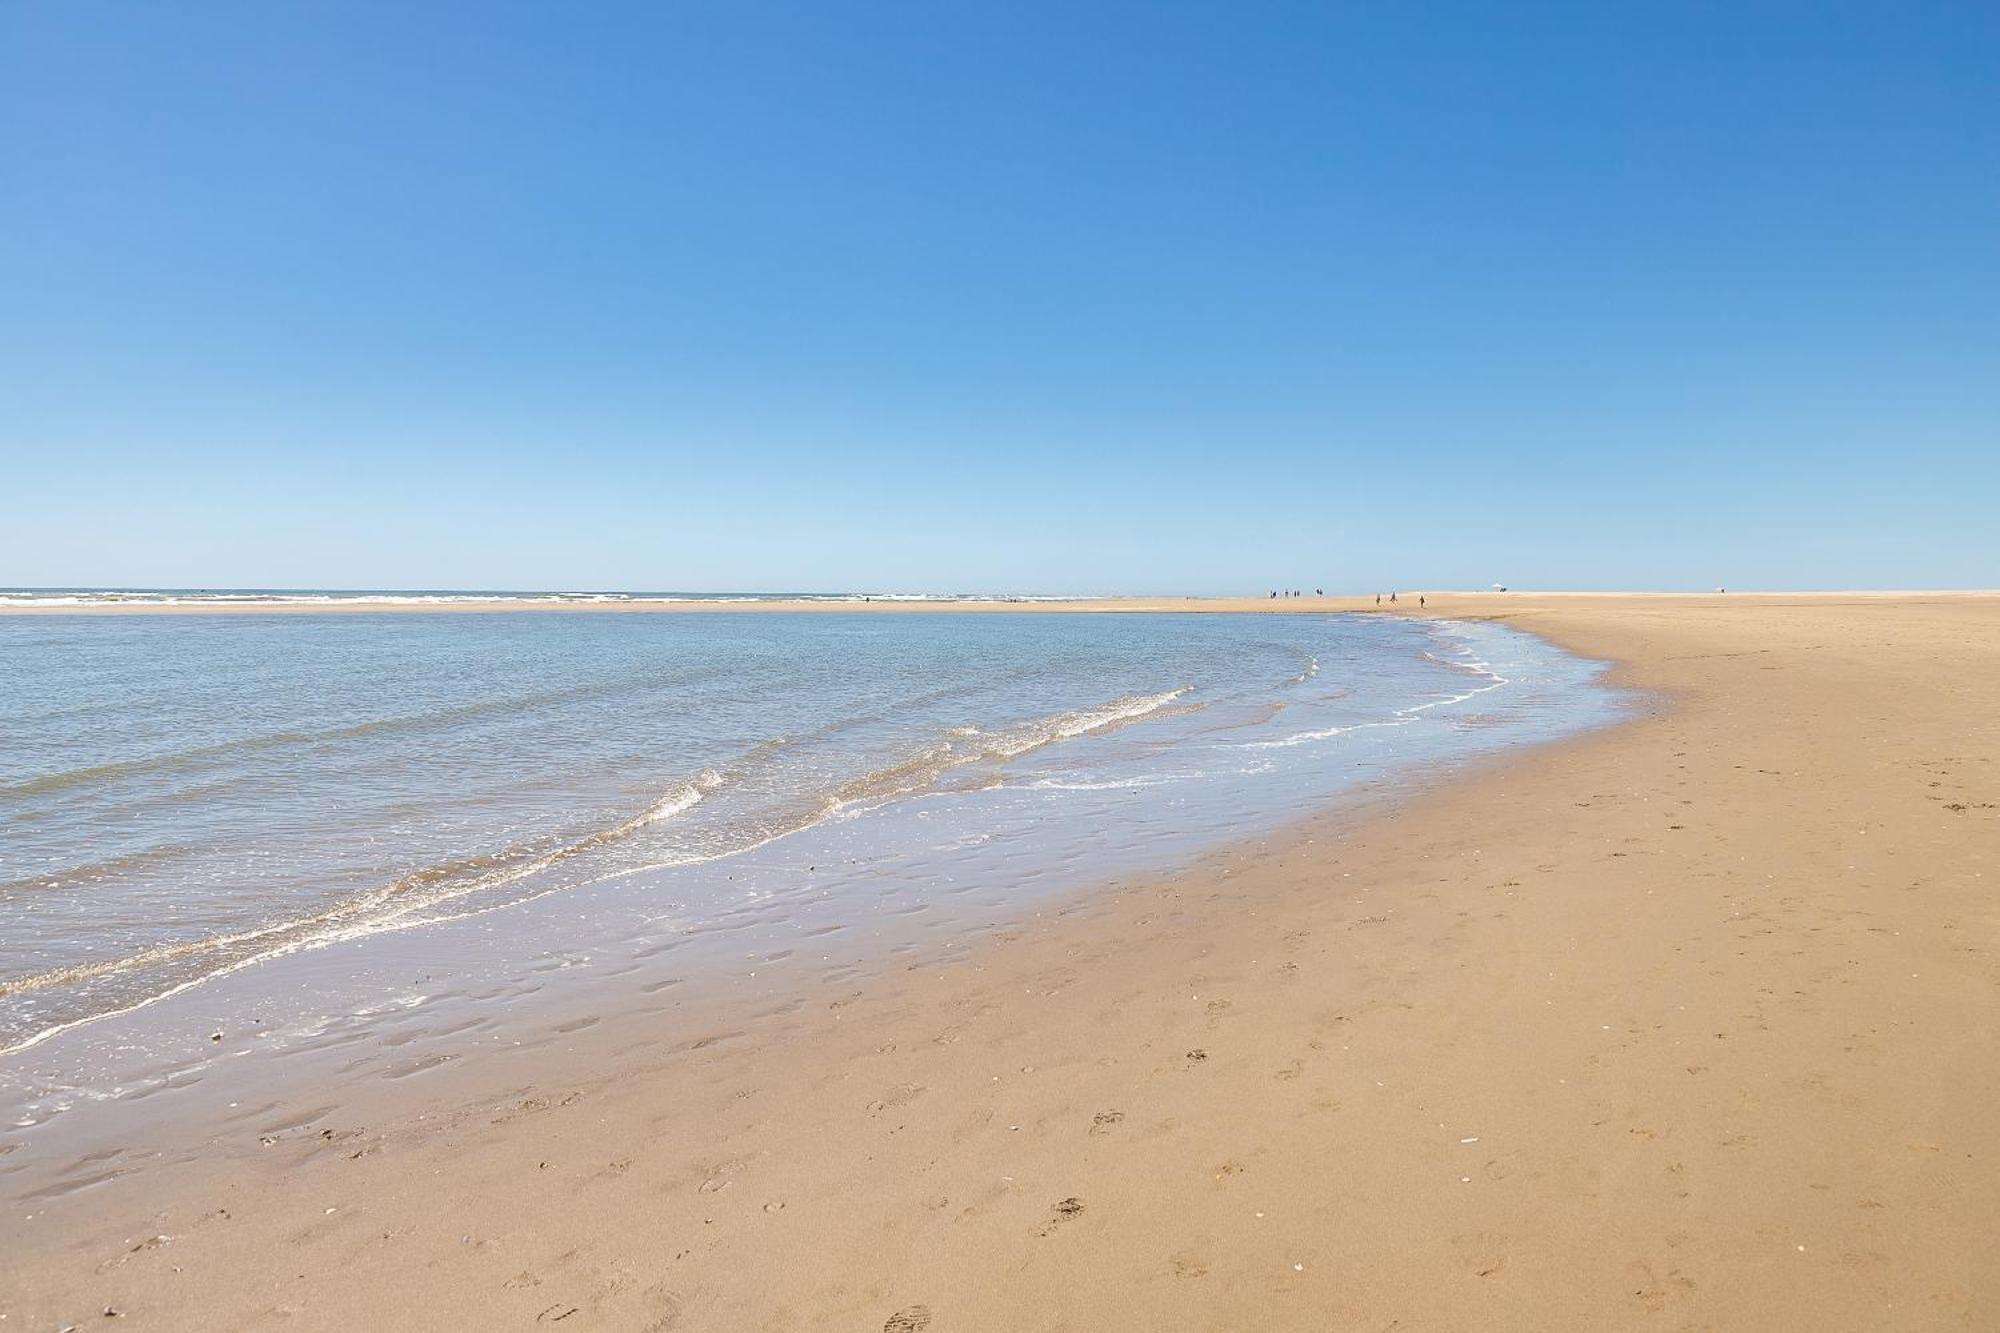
889, 840
601, 1030
1462, 1092
852, 927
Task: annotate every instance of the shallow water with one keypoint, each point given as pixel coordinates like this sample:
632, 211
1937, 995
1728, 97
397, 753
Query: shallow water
186, 800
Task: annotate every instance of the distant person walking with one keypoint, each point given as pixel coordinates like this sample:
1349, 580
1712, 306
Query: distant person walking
1420, 601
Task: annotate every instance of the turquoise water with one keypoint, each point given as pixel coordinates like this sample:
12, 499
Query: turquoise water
186, 798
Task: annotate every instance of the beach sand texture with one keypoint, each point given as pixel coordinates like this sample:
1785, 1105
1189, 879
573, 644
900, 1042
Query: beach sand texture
1689, 1024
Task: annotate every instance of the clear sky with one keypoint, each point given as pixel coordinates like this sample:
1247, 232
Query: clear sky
1002, 296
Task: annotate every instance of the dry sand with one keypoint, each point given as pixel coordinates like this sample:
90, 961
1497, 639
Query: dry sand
1689, 1024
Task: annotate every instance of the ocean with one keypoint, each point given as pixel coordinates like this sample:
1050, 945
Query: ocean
187, 802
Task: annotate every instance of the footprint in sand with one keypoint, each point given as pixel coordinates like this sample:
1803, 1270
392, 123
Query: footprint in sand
668, 1310
1651, 1291
912, 1320
1064, 1211
1484, 1253
900, 1095
1102, 1122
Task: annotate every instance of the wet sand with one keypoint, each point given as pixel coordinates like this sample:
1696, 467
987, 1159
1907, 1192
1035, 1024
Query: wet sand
1692, 1023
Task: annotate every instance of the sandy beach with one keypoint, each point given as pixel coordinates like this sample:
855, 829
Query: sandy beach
1691, 1023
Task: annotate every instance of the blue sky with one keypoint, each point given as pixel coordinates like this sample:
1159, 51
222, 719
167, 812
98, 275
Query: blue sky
1004, 297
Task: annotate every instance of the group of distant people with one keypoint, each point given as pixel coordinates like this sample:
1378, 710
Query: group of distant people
1277, 593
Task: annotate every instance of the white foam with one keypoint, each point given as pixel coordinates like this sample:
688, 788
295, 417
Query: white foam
1067, 726
1119, 784
1407, 714
677, 802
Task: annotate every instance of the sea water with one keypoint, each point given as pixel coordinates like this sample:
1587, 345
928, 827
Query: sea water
189, 803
